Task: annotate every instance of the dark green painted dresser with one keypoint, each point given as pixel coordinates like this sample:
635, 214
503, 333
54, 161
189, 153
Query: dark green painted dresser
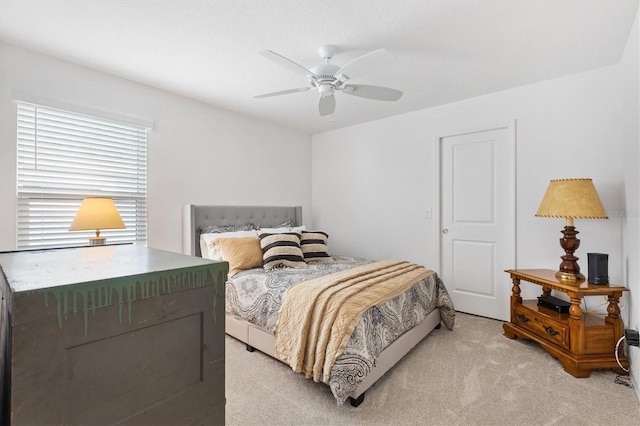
113, 334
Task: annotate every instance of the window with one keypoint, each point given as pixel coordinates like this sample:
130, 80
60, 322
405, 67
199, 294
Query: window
64, 157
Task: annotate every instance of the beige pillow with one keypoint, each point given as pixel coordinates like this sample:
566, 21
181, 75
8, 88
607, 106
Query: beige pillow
241, 253
207, 249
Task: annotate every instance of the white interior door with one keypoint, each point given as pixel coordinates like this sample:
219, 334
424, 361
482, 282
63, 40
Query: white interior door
477, 219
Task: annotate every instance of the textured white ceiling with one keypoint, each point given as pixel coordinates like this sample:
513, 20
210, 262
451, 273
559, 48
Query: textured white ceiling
446, 50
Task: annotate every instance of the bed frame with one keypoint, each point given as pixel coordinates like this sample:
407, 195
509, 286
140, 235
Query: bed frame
196, 216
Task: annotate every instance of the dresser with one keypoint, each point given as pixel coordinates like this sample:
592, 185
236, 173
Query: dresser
111, 334
581, 341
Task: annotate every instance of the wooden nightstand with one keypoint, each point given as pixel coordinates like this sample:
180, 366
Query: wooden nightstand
581, 342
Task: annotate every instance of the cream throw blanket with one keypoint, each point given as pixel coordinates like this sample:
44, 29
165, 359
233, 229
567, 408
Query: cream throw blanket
317, 317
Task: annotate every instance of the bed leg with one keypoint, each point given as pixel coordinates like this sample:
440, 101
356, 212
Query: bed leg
250, 348
357, 401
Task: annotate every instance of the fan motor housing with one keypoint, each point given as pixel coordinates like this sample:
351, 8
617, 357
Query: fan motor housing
324, 71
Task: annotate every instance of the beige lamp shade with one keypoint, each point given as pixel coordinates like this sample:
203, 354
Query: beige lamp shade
571, 199
95, 214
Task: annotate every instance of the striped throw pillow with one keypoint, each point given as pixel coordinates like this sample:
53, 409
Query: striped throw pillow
314, 246
281, 250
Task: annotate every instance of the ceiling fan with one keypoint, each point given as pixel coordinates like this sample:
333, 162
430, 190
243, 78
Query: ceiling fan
327, 77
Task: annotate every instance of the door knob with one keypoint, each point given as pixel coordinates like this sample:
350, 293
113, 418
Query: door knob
445, 231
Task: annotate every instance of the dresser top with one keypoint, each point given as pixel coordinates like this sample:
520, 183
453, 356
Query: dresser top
38, 269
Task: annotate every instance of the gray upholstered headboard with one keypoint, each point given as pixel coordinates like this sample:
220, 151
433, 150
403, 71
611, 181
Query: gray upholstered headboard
194, 217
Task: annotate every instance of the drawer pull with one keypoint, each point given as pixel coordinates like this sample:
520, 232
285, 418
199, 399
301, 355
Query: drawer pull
523, 318
550, 330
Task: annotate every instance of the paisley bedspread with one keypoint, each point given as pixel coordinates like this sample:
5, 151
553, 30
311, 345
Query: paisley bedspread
256, 296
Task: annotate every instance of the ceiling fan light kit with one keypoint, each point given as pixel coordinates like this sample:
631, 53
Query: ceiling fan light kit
326, 78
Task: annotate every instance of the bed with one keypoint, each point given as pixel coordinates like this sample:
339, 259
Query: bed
374, 342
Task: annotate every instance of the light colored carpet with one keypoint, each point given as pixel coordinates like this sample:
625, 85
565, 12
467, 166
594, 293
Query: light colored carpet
472, 375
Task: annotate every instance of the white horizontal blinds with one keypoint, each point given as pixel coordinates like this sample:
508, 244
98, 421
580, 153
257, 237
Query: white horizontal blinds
64, 157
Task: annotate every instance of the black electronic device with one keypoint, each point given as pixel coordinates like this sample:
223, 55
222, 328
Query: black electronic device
555, 304
598, 268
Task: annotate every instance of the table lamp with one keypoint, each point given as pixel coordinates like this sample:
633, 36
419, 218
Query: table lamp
571, 199
97, 213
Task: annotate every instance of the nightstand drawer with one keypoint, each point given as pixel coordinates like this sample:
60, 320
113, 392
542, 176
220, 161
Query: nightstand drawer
540, 324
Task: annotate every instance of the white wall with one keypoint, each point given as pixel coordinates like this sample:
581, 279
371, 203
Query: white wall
631, 226
372, 183
196, 153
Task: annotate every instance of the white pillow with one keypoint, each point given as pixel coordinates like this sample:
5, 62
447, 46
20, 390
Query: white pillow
279, 230
207, 249
282, 230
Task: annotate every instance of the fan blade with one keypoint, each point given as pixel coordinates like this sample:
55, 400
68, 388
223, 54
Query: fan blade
285, 62
378, 93
282, 92
366, 64
327, 105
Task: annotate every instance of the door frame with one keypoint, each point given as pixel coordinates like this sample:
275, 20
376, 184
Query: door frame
511, 184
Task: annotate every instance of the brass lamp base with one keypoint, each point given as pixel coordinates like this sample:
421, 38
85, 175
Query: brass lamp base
566, 276
97, 241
